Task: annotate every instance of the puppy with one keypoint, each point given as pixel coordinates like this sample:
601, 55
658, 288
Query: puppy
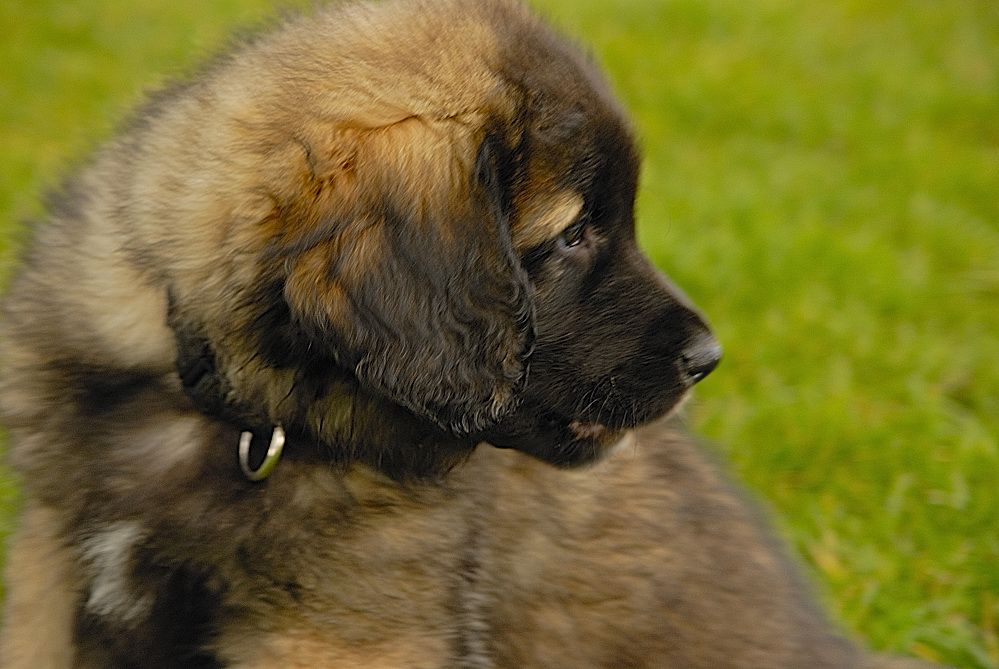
338, 356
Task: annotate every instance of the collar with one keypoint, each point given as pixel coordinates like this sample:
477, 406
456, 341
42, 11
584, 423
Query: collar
260, 447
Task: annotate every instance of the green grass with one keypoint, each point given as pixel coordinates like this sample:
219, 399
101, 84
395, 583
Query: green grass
822, 176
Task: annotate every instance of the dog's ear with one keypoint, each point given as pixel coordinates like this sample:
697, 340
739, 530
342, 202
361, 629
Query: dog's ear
412, 281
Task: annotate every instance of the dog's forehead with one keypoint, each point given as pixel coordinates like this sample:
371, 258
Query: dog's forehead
545, 216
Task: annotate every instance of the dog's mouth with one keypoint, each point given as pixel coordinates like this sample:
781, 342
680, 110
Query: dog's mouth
593, 417
587, 429
557, 439
571, 438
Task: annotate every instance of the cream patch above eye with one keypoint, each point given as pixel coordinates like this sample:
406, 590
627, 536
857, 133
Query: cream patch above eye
547, 218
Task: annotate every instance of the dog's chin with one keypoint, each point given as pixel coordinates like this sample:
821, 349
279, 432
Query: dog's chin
582, 444
565, 450
570, 442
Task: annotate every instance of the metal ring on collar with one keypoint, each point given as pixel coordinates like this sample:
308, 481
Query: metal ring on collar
274, 450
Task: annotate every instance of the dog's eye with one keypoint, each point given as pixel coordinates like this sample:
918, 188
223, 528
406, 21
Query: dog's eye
577, 243
575, 233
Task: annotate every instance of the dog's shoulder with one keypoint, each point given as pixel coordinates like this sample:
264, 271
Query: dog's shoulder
655, 540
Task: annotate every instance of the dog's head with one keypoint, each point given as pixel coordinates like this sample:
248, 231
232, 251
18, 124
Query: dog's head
448, 245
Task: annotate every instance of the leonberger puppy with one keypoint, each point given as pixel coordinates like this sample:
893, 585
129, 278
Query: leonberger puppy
342, 354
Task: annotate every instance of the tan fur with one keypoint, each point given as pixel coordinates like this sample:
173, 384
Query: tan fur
40, 601
548, 217
305, 650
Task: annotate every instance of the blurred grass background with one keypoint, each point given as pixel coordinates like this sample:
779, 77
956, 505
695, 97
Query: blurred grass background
822, 176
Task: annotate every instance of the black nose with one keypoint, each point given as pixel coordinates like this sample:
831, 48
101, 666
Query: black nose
700, 356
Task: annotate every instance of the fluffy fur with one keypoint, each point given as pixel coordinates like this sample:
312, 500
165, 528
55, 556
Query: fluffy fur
403, 233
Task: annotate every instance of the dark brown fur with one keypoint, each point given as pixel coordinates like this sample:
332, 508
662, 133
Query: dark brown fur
403, 232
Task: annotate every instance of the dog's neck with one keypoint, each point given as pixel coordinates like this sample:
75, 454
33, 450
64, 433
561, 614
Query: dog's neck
362, 426
333, 419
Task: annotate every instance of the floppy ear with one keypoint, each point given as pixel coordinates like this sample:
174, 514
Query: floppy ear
414, 284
